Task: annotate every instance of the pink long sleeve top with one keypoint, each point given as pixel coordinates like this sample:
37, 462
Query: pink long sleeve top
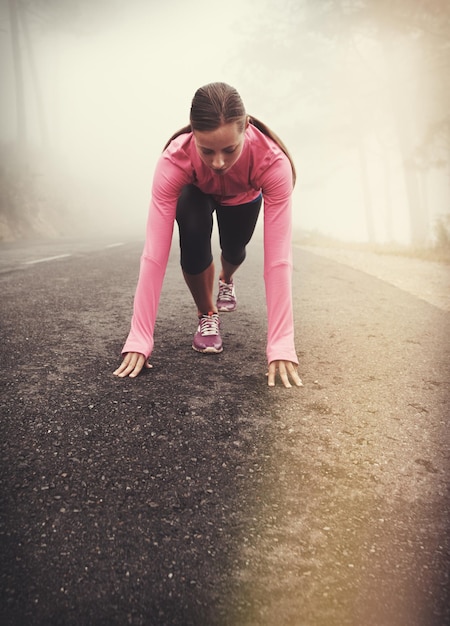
261, 167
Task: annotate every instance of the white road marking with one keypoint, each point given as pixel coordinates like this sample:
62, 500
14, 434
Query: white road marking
64, 256
48, 258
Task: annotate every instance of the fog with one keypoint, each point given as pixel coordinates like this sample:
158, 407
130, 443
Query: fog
116, 80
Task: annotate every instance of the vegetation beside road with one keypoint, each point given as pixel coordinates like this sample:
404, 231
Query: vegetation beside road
438, 250
32, 202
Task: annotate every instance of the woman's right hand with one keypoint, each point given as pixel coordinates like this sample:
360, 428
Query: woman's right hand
132, 364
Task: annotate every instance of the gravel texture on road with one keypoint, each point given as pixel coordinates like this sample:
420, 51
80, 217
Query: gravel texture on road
195, 494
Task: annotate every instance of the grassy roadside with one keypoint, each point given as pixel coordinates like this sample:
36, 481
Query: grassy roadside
438, 252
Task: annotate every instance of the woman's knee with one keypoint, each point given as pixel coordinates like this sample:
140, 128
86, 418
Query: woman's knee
236, 228
195, 222
234, 257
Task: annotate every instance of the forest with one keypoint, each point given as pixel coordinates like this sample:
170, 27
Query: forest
358, 89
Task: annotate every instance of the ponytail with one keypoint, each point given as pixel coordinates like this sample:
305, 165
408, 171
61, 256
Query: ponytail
269, 133
182, 131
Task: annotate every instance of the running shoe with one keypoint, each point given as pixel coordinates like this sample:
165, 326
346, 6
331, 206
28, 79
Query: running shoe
207, 338
226, 299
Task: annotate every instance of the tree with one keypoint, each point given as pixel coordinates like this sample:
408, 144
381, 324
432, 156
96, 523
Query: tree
426, 27
413, 101
27, 184
21, 122
26, 18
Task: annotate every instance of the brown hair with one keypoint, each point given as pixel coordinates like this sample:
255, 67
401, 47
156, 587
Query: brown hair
216, 104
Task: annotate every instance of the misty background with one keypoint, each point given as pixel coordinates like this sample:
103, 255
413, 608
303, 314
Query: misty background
359, 90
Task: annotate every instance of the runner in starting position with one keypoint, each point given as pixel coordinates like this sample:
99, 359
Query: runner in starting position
227, 162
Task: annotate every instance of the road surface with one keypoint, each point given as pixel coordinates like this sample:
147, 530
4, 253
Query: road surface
195, 494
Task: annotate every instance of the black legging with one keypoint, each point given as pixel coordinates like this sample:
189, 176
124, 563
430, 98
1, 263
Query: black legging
195, 222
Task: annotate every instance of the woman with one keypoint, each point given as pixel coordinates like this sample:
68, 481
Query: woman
227, 162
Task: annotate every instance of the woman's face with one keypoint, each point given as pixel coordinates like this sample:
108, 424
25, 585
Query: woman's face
219, 149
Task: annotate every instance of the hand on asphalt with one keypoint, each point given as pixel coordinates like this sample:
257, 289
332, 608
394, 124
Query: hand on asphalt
287, 370
132, 364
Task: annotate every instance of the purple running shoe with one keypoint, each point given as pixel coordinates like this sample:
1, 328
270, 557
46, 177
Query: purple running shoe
226, 299
207, 339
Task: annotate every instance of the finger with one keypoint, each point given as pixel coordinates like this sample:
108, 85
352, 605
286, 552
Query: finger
131, 365
126, 368
122, 366
271, 374
138, 364
283, 374
293, 373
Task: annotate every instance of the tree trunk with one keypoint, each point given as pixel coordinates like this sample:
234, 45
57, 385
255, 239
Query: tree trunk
21, 122
387, 186
34, 77
368, 210
362, 158
417, 214
388, 199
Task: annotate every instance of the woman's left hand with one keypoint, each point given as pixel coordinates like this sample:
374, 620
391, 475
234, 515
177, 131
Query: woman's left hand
287, 371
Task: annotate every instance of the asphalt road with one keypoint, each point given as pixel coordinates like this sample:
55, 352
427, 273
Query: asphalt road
195, 494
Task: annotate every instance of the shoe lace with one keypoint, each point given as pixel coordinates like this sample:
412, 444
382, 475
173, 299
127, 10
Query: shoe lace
209, 324
226, 291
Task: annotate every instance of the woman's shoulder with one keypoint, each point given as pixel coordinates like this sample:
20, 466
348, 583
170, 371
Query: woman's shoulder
174, 167
181, 144
265, 153
180, 153
261, 142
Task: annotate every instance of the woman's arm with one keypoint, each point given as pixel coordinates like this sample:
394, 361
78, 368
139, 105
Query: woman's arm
167, 183
277, 192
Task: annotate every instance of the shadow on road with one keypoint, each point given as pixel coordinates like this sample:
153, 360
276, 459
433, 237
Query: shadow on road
125, 501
